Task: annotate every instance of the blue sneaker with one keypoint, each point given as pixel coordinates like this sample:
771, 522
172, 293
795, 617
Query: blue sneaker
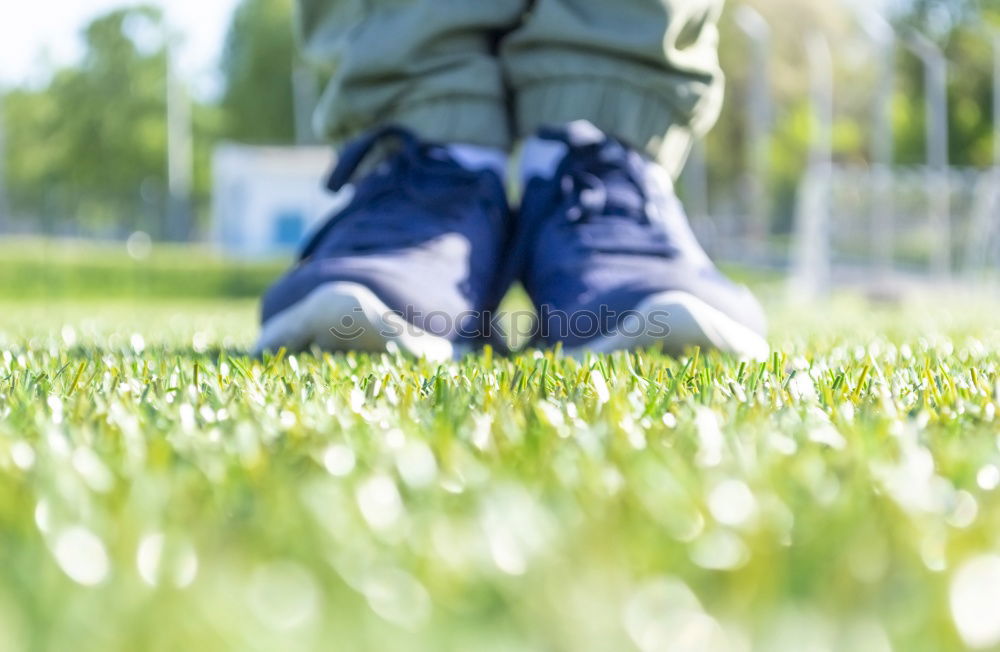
608, 257
405, 265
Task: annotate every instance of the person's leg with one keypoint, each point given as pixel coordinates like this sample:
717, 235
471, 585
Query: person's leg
609, 96
427, 65
646, 71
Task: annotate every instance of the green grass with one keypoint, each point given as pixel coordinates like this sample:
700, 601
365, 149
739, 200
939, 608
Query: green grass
31, 268
34, 269
161, 490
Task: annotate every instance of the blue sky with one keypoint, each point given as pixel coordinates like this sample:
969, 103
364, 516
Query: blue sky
35, 31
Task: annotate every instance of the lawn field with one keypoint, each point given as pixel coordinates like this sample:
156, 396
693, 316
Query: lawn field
161, 490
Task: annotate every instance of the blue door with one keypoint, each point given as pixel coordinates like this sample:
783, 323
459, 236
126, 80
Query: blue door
289, 229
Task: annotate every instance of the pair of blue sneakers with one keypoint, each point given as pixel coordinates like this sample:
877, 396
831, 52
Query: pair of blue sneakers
423, 252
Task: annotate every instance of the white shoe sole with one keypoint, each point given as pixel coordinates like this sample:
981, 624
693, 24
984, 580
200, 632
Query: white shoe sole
344, 316
676, 321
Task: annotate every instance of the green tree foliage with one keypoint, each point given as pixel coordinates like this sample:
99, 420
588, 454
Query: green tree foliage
90, 147
970, 100
257, 65
939, 17
958, 27
93, 143
790, 22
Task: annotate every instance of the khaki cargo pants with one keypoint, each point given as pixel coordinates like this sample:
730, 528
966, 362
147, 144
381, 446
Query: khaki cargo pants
489, 72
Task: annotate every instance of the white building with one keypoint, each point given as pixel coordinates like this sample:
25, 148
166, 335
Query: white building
265, 199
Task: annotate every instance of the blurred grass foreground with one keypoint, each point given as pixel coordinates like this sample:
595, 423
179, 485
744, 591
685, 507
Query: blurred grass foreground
160, 490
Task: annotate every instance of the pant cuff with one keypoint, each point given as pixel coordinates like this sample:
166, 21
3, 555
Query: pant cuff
640, 118
451, 119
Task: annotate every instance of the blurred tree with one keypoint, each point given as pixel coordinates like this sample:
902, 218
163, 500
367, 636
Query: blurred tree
955, 24
790, 21
93, 144
939, 17
89, 148
257, 64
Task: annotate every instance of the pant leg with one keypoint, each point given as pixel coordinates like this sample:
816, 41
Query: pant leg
644, 70
424, 64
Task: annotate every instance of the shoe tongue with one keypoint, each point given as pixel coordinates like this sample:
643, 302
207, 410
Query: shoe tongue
540, 158
476, 158
581, 133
